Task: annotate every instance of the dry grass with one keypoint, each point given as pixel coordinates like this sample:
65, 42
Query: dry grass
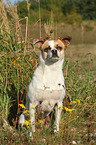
66, 29
17, 68
75, 52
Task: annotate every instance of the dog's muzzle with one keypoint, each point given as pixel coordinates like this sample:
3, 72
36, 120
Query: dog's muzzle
54, 55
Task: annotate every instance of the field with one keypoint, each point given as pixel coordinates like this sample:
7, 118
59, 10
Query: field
18, 62
80, 78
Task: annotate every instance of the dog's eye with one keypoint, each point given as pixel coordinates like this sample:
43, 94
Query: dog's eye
47, 48
59, 47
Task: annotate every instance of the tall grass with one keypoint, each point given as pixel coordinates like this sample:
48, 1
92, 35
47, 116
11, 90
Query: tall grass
78, 125
17, 67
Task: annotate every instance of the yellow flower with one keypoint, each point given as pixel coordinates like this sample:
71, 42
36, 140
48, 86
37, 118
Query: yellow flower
78, 101
14, 62
59, 107
41, 121
66, 108
26, 112
18, 58
74, 102
27, 123
32, 107
21, 105
69, 110
71, 104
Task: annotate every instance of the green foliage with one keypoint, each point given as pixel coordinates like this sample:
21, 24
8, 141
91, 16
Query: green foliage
87, 9
33, 16
68, 6
83, 9
73, 17
55, 6
22, 9
33, 5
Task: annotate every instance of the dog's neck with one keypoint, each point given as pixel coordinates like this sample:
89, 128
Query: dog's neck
52, 66
49, 74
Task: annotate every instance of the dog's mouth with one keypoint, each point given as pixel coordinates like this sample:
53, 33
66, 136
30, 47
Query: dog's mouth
54, 58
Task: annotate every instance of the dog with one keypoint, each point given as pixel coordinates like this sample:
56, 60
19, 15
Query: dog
47, 87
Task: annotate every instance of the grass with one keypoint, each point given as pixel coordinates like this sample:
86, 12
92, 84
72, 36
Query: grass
79, 72
17, 67
66, 29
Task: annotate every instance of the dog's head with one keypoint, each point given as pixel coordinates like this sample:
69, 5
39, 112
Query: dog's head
53, 50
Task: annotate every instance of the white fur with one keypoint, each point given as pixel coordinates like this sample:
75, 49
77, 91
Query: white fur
51, 43
47, 87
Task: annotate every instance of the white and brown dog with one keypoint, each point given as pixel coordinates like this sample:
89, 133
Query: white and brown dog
47, 87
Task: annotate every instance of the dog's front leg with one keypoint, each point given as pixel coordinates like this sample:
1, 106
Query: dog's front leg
58, 113
32, 116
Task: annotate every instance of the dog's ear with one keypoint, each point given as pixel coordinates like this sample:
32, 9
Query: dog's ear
39, 42
65, 40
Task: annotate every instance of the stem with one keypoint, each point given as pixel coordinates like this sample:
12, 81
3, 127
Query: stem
39, 17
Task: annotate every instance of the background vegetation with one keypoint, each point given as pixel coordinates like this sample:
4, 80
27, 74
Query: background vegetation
85, 9
18, 60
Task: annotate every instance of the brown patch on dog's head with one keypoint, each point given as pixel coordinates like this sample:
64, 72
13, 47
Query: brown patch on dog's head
65, 40
53, 50
39, 42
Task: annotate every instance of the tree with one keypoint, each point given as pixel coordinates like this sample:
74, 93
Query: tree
22, 9
86, 8
74, 17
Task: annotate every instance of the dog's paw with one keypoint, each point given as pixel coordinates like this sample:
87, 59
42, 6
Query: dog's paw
22, 120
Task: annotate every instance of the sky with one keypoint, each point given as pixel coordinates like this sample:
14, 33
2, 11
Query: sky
12, 1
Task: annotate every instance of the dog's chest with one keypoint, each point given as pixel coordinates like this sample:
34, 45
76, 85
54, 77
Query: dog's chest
48, 78
47, 83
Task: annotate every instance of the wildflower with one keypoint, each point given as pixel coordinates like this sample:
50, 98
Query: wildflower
78, 101
21, 105
41, 121
59, 107
26, 112
71, 104
18, 58
74, 102
32, 107
14, 62
68, 110
27, 123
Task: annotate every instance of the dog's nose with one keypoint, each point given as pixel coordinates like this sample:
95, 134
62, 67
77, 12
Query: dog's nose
54, 52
